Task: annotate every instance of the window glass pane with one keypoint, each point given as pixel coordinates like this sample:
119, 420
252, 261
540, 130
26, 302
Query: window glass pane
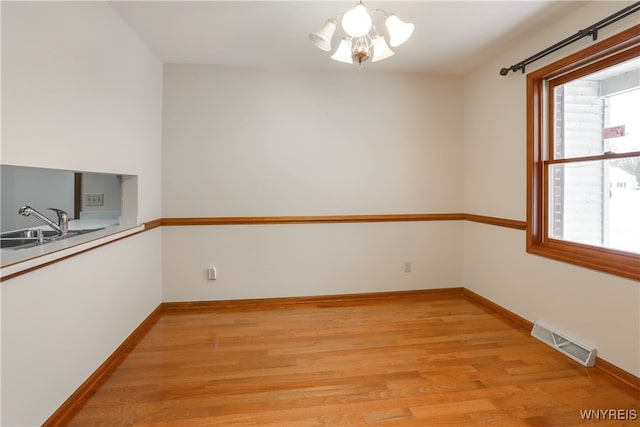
596, 203
598, 113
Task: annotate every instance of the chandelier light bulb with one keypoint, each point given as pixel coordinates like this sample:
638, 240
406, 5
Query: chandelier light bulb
357, 21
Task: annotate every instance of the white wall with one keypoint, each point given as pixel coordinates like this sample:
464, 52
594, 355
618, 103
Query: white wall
80, 92
267, 261
61, 322
241, 141
77, 97
270, 141
597, 308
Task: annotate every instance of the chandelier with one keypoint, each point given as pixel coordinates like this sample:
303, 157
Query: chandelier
362, 40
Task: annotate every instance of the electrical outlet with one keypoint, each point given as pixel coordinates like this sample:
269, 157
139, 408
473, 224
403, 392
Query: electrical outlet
407, 266
212, 273
94, 199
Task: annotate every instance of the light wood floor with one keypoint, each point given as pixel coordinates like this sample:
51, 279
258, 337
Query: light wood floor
402, 362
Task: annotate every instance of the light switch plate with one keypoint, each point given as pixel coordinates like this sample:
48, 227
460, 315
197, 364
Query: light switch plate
94, 199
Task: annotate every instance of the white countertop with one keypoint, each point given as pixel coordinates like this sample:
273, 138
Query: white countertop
15, 260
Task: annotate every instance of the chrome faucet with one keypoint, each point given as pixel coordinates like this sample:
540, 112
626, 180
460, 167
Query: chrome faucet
63, 218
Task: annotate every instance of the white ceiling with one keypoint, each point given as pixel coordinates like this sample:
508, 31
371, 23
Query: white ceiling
451, 37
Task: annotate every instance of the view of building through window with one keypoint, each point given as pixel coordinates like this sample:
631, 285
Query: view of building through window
596, 201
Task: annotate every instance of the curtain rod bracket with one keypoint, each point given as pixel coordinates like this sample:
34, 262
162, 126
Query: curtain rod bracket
590, 31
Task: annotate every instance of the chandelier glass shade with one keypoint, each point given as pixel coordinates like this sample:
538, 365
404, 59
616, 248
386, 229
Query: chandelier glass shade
362, 40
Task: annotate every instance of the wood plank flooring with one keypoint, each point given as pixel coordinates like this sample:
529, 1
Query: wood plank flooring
411, 361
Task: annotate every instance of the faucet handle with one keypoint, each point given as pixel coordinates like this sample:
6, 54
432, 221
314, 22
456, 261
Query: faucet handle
62, 215
63, 220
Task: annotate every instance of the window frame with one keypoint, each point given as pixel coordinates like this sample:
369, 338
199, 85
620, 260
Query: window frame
604, 54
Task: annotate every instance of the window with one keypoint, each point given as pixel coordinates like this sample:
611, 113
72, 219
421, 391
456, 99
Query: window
583, 160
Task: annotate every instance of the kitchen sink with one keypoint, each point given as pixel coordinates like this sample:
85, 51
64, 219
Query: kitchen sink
22, 239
